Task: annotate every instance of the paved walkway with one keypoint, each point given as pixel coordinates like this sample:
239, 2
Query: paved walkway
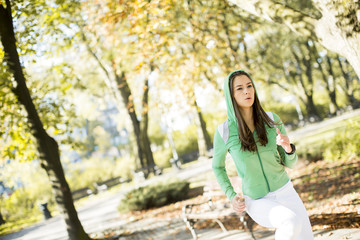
169, 229
148, 229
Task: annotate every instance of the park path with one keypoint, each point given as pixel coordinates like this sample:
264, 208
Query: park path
101, 215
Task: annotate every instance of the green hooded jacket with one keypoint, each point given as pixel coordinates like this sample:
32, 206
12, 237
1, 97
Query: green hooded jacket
261, 171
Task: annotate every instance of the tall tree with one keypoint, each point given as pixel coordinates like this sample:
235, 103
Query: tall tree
204, 139
46, 145
328, 78
335, 24
285, 60
351, 84
118, 64
211, 35
304, 69
141, 24
219, 32
144, 123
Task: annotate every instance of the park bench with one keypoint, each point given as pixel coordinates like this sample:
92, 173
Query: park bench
141, 174
81, 193
104, 185
98, 187
215, 210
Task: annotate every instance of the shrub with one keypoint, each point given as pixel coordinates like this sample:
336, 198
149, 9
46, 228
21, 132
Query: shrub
311, 152
155, 195
345, 145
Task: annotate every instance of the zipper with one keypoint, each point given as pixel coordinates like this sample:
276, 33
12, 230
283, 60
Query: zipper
262, 168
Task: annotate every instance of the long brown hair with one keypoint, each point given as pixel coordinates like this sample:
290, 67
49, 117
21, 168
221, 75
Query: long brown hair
260, 119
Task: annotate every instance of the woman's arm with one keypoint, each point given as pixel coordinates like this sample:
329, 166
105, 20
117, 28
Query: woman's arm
218, 165
289, 160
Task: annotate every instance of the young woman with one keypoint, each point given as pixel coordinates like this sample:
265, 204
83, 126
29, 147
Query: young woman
260, 148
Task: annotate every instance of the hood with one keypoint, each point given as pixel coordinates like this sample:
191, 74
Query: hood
229, 104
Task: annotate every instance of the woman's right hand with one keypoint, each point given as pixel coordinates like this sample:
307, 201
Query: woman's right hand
238, 204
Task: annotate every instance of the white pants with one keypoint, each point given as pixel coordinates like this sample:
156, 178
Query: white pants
283, 210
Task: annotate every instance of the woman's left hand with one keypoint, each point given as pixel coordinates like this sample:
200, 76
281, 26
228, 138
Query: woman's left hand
283, 140
238, 204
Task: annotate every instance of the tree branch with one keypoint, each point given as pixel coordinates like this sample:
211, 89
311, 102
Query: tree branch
293, 9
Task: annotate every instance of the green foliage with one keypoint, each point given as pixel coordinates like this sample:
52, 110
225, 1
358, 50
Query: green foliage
22, 207
185, 141
11, 227
55, 110
156, 134
162, 152
286, 111
155, 195
92, 170
347, 17
162, 157
345, 145
337, 141
24, 202
190, 40
311, 153
124, 167
213, 119
15, 137
323, 110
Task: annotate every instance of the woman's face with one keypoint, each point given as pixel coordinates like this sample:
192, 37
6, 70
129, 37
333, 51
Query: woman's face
243, 91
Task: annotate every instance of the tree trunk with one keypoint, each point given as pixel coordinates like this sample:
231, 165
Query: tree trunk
329, 81
2, 221
247, 58
348, 89
120, 85
145, 123
312, 112
331, 86
325, 28
232, 47
129, 104
203, 137
140, 127
47, 146
334, 37
308, 88
145, 155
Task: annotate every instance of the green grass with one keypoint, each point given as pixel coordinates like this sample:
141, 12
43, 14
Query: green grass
10, 227
322, 133
14, 226
311, 138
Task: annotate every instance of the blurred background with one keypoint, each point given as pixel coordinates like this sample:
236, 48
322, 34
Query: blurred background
132, 89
